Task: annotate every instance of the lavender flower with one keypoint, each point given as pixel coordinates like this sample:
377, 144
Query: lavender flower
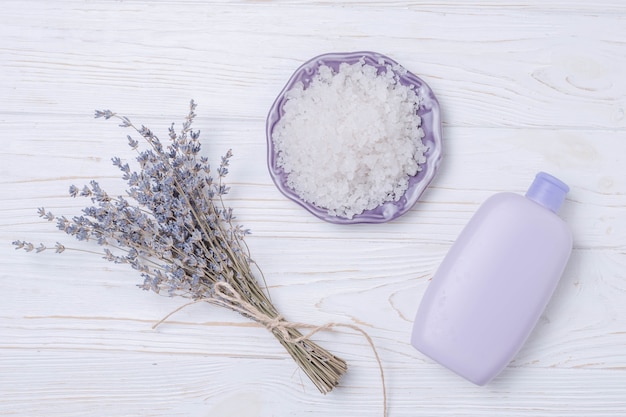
174, 229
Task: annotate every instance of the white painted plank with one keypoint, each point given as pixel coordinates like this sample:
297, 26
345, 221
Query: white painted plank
511, 68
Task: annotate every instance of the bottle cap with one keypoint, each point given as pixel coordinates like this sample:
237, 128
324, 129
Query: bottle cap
548, 191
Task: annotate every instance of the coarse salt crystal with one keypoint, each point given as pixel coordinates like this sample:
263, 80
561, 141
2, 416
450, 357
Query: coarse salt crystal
350, 141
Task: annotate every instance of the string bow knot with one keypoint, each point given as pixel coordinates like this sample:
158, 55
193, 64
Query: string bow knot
226, 296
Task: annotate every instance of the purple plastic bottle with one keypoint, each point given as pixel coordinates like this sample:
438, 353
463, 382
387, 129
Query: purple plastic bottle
495, 282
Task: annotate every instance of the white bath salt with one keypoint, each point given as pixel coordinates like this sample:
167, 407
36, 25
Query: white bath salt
351, 139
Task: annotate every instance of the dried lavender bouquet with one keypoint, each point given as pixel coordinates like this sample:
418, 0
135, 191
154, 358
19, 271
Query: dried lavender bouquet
174, 229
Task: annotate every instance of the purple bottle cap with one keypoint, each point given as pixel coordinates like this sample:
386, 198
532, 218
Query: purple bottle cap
548, 191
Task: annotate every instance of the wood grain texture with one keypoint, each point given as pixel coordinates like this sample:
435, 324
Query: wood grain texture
524, 86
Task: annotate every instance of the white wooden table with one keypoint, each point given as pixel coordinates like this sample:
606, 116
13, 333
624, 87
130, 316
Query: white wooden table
524, 86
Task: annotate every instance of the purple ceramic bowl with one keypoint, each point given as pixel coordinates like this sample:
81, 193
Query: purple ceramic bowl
431, 125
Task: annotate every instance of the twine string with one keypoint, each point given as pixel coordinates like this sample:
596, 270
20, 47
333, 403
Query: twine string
227, 296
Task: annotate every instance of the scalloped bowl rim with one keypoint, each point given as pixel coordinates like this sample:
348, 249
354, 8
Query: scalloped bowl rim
429, 111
